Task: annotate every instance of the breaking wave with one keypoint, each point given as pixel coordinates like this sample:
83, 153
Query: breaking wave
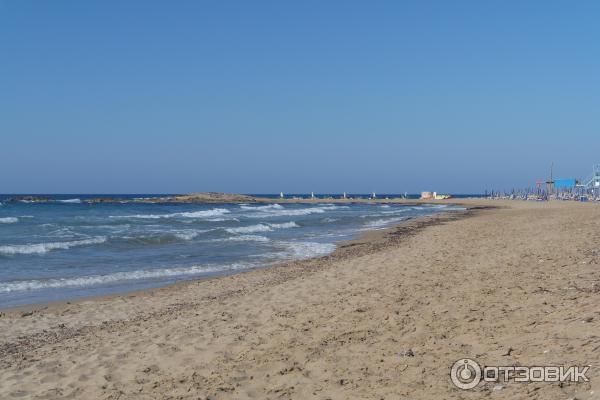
262, 208
303, 250
277, 210
262, 227
9, 220
93, 280
215, 212
287, 212
244, 238
380, 223
250, 229
284, 225
187, 235
41, 248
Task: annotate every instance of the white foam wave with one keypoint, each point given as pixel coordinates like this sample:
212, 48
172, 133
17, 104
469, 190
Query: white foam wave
9, 220
222, 219
335, 207
203, 214
41, 248
287, 212
192, 214
380, 223
76, 201
277, 210
262, 227
94, 280
158, 236
64, 233
244, 238
189, 235
398, 210
250, 229
284, 225
304, 250
262, 208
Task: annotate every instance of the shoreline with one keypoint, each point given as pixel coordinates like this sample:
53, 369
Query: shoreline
384, 316
368, 242
362, 239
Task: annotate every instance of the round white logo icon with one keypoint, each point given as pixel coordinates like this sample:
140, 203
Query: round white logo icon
465, 373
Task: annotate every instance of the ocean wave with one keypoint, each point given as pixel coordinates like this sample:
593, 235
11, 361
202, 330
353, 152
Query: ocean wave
74, 201
243, 238
160, 236
250, 229
191, 214
398, 210
332, 207
262, 227
284, 225
223, 219
277, 210
304, 250
114, 227
94, 280
157, 239
41, 248
9, 220
203, 214
219, 219
380, 223
64, 233
189, 235
287, 212
262, 208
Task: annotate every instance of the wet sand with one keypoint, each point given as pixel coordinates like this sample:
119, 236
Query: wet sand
384, 317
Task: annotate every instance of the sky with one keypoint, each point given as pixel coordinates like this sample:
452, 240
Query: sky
296, 96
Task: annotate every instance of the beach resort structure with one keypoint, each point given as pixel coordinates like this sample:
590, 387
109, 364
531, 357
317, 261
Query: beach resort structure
559, 189
434, 196
593, 183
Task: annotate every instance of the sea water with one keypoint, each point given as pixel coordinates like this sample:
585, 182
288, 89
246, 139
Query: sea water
66, 248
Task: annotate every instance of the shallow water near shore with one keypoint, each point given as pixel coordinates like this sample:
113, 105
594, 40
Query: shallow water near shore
64, 248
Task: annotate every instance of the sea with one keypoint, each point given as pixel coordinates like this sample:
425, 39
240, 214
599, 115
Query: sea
65, 248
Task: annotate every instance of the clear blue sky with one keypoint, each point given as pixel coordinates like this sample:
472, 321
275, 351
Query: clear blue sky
296, 96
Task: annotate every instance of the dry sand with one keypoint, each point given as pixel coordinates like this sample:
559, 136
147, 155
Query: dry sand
382, 318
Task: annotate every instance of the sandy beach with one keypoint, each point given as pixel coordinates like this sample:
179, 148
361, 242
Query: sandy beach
383, 317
